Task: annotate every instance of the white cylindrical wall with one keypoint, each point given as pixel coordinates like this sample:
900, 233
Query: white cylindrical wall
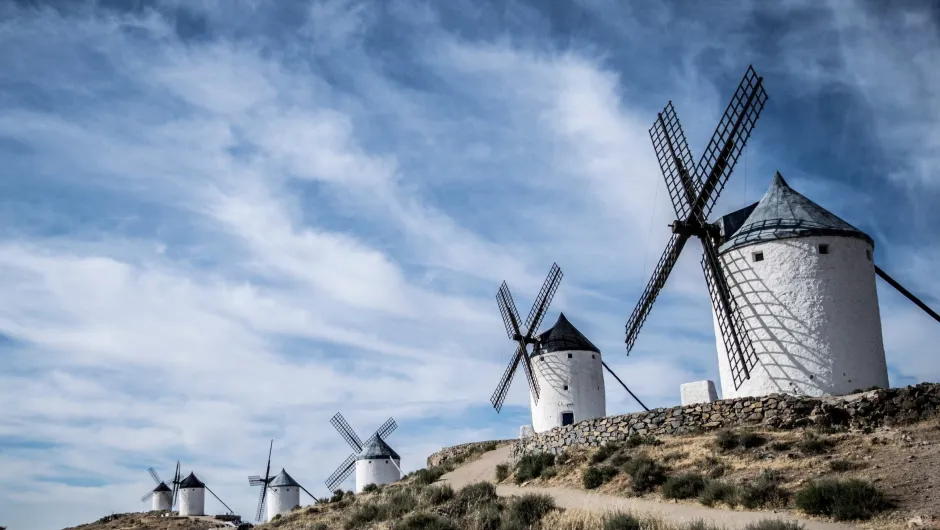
813, 318
192, 501
282, 499
377, 471
161, 500
569, 381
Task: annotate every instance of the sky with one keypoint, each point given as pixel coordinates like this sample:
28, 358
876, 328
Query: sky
223, 221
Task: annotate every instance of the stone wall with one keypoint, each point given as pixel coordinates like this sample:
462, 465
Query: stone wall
863, 411
451, 453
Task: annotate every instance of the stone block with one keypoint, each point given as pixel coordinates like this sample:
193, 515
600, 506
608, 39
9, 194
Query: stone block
698, 392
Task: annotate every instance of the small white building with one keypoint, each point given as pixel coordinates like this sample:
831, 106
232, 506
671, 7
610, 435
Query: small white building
804, 281
192, 498
283, 494
162, 498
570, 376
377, 463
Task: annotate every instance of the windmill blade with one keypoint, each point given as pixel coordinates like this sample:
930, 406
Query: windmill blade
255, 480
267, 471
655, 285
728, 141
147, 496
343, 471
308, 493
387, 428
230, 511
910, 296
624, 385
503, 387
675, 161
346, 431
542, 301
262, 499
176, 485
153, 473
738, 347
507, 309
530, 376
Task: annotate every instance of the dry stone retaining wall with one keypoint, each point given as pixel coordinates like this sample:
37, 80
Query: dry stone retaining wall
863, 411
450, 453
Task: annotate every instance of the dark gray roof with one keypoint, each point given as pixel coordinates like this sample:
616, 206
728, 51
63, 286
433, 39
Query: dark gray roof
161, 487
376, 448
563, 336
192, 482
283, 479
781, 213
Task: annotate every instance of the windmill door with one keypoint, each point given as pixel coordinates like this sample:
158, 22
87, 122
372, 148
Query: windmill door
567, 418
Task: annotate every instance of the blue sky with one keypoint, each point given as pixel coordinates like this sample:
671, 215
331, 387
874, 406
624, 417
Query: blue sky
224, 221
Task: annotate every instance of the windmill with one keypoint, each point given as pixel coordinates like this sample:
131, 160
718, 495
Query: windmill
163, 497
563, 363
285, 491
694, 191
192, 496
374, 461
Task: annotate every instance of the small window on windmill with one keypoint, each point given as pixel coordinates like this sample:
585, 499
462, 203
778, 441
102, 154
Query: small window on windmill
758, 256
592, 356
868, 254
569, 355
566, 387
823, 248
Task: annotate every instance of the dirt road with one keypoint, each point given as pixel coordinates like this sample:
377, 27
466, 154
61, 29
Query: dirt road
484, 469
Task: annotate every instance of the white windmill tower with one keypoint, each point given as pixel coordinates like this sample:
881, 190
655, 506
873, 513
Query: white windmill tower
162, 497
192, 496
374, 461
793, 293
565, 370
283, 490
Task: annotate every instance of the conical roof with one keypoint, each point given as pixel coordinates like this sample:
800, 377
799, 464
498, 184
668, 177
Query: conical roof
191, 482
283, 479
782, 213
376, 448
563, 336
161, 487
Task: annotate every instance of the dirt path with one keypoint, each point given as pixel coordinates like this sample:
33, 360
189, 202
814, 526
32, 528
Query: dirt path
484, 469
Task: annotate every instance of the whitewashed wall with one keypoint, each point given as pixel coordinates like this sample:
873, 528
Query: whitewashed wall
192, 501
161, 500
377, 471
585, 396
282, 499
813, 318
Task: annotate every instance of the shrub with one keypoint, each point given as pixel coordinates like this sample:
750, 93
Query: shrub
337, 496
645, 473
718, 491
477, 494
530, 466
424, 521
530, 508
362, 515
684, 486
621, 521
813, 444
841, 499
563, 458
319, 526
438, 494
429, 475
400, 503
592, 478
489, 446
750, 440
765, 491
485, 517
840, 466
549, 472
608, 472
603, 453
713, 466
726, 440
781, 446
774, 524
638, 439
619, 459
502, 472
370, 488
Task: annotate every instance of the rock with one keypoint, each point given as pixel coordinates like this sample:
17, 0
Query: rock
915, 522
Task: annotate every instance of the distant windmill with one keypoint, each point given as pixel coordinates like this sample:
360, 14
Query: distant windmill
375, 462
192, 495
564, 366
163, 496
285, 491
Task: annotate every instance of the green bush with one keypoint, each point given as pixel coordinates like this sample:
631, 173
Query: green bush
319, 526
435, 495
842, 500
719, 491
774, 524
684, 486
840, 466
549, 472
337, 496
530, 508
813, 444
592, 478
621, 521
489, 446
362, 515
563, 458
430, 475
530, 466
638, 439
370, 488
781, 446
424, 521
603, 453
750, 440
485, 517
713, 466
502, 472
619, 459
400, 503
645, 473
763, 492
473, 495
726, 440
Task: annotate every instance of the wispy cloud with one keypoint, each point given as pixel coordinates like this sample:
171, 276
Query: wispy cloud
223, 222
